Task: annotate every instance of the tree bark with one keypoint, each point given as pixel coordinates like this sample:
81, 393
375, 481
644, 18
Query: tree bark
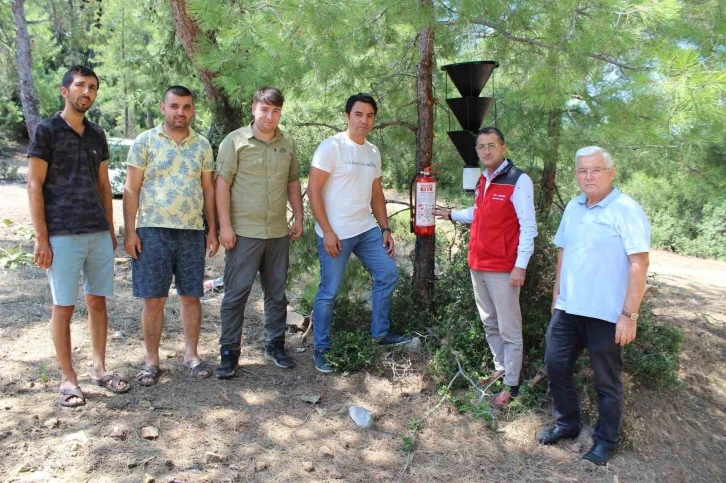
554, 127
225, 117
425, 251
28, 97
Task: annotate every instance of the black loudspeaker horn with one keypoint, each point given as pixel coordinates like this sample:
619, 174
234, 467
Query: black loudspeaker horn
465, 141
471, 77
470, 111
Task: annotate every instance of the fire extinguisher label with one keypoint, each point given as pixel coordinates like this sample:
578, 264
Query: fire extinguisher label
425, 204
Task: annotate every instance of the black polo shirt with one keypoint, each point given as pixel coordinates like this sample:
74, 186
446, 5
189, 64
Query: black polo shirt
70, 192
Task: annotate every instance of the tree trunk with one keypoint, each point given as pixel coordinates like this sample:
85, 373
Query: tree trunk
425, 252
28, 97
226, 118
554, 126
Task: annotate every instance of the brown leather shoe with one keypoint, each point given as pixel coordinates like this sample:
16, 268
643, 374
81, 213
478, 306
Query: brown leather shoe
501, 400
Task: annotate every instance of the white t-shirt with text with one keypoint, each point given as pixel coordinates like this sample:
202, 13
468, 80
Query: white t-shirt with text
347, 193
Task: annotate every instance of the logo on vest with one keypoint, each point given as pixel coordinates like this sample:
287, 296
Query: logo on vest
499, 197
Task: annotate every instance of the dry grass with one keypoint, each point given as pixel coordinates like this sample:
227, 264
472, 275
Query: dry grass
264, 432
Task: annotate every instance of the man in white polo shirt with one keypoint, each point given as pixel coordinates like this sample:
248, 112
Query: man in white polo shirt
344, 188
602, 269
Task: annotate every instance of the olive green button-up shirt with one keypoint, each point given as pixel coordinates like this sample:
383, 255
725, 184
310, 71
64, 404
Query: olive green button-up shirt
258, 174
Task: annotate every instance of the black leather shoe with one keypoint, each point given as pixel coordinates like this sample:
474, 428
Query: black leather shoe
599, 454
554, 434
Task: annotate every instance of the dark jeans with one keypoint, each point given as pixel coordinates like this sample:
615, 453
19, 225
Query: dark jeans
271, 258
567, 336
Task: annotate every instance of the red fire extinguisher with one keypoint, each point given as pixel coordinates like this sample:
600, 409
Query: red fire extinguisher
423, 204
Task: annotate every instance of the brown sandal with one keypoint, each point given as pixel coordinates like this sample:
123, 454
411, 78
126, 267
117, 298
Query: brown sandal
148, 372
115, 380
198, 366
67, 393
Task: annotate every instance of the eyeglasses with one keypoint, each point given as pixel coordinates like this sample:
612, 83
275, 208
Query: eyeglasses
585, 173
486, 147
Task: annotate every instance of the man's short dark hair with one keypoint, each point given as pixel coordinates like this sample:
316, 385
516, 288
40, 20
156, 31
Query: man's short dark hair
492, 130
268, 95
360, 97
80, 70
180, 91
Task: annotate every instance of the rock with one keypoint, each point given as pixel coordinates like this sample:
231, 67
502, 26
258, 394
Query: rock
52, 423
145, 404
210, 457
149, 478
119, 432
7, 407
149, 432
325, 451
121, 261
310, 398
25, 468
361, 416
31, 384
333, 472
300, 349
74, 447
79, 436
413, 346
308, 466
261, 466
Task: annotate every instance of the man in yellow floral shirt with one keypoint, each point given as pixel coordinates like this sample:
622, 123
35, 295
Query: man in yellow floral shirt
169, 187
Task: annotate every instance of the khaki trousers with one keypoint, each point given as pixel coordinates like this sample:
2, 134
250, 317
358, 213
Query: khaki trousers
498, 305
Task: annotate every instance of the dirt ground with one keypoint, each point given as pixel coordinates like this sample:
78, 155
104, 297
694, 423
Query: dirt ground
259, 429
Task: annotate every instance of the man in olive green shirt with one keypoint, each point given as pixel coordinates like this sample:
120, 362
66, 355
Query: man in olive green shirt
257, 174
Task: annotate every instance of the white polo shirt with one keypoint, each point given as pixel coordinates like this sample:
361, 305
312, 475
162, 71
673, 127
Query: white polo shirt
597, 241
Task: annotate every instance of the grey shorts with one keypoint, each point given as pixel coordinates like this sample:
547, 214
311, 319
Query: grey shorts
90, 256
167, 252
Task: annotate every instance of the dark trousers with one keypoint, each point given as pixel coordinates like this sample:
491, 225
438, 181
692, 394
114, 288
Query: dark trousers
271, 258
567, 336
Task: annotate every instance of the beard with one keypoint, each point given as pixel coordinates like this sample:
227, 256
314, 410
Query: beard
79, 107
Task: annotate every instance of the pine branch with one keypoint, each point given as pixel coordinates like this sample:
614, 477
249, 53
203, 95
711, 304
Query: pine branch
405, 124
538, 43
317, 124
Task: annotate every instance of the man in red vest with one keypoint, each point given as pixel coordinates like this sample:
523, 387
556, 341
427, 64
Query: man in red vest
503, 228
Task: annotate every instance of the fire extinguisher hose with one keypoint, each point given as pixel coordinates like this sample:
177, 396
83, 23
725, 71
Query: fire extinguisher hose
410, 200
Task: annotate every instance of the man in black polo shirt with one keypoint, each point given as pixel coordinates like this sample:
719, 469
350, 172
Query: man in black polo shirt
70, 205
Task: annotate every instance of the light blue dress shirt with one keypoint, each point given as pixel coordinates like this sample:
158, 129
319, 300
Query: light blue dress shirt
597, 241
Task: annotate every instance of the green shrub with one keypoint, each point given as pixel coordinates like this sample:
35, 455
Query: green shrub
653, 357
351, 350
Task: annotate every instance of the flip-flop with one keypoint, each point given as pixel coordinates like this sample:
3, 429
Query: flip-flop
198, 366
115, 380
148, 372
67, 393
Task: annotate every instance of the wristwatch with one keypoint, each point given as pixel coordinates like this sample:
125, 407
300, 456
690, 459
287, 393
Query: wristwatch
383, 230
631, 315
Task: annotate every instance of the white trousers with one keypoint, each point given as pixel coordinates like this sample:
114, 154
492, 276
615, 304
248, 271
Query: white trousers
498, 305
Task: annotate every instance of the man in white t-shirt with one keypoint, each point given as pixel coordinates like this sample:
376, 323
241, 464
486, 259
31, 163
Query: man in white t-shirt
344, 188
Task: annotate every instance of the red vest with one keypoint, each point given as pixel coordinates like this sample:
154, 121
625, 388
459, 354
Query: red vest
494, 237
